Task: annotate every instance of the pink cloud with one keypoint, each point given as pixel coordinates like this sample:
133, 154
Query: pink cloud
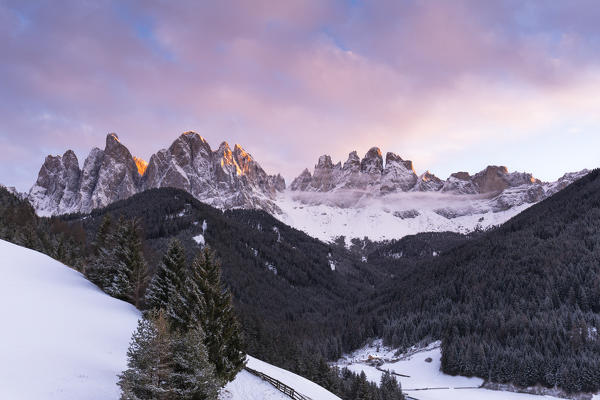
288, 80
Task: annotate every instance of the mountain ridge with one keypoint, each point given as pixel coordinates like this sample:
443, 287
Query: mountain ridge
383, 193
224, 177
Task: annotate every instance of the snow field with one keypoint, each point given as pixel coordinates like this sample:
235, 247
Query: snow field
425, 375
62, 338
376, 220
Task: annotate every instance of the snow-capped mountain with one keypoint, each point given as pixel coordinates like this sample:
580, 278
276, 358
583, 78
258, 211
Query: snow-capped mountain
224, 178
361, 197
367, 197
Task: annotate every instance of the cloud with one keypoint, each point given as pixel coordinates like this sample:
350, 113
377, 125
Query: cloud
292, 80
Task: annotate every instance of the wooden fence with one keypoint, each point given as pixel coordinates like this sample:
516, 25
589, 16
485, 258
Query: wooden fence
282, 387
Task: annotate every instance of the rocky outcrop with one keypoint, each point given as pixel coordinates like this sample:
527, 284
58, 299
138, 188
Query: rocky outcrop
57, 184
224, 178
398, 175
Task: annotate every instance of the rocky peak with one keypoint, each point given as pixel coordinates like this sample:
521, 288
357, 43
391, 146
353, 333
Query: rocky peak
463, 176
302, 181
188, 146
277, 182
397, 174
141, 165
324, 162
428, 182
115, 148
352, 163
391, 158
57, 183
243, 159
372, 163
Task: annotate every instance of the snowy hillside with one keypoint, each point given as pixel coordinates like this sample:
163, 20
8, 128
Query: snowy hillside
62, 338
250, 387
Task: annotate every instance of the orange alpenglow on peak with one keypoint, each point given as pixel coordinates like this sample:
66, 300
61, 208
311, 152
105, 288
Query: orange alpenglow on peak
140, 164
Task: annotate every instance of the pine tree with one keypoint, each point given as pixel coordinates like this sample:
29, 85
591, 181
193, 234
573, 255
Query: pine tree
166, 364
138, 277
118, 266
96, 269
217, 318
193, 375
390, 389
168, 280
148, 360
104, 232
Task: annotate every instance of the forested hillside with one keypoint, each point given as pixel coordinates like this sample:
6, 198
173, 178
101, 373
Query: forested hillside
519, 304
298, 298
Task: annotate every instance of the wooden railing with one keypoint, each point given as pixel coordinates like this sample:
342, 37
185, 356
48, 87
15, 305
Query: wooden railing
282, 387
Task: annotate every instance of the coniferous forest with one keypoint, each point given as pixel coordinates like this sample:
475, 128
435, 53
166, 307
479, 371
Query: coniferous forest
516, 304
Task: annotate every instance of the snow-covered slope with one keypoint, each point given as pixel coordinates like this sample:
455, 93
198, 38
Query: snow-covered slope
64, 339
61, 337
246, 386
390, 217
249, 387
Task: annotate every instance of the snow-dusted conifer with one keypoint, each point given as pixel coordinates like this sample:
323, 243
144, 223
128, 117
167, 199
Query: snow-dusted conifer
390, 389
218, 319
149, 360
97, 269
166, 364
138, 277
192, 376
168, 279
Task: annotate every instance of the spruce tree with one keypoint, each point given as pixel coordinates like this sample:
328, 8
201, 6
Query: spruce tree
118, 266
148, 360
166, 364
168, 280
96, 269
138, 277
390, 389
217, 317
192, 376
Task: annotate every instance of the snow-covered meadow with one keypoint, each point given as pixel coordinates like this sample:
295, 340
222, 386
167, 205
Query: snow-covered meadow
423, 379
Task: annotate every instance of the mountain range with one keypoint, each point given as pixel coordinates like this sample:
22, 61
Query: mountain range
361, 197
224, 178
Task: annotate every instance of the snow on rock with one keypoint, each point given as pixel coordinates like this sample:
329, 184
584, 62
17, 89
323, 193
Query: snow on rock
62, 338
298, 383
271, 267
199, 239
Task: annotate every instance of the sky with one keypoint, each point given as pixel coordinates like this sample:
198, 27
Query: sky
452, 85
